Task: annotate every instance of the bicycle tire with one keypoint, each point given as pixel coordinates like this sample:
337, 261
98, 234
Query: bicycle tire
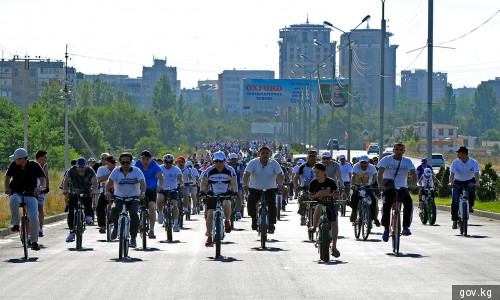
324, 242
367, 223
167, 213
217, 238
121, 241
144, 225
358, 223
343, 198
109, 225
397, 231
181, 214
278, 208
126, 240
431, 212
79, 229
263, 227
24, 235
423, 214
188, 214
465, 214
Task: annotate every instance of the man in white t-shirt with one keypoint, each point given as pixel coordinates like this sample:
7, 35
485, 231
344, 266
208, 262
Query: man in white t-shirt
108, 165
261, 174
172, 180
464, 174
396, 167
128, 182
362, 175
346, 171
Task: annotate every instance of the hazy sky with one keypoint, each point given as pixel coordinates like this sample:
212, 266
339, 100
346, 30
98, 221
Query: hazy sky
204, 37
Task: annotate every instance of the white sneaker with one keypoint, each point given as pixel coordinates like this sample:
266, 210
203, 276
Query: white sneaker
71, 237
177, 228
160, 217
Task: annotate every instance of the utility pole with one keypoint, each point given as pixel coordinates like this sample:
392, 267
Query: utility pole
430, 45
66, 117
382, 85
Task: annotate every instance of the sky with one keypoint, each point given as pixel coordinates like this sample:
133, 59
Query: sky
202, 38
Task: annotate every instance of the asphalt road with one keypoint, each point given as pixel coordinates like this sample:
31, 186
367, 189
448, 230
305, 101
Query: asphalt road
432, 260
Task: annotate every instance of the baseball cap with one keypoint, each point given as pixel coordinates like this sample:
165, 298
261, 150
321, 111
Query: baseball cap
300, 161
233, 155
81, 162
189, 164
342, 156
463, 150
427, 172
424, 160
181, 158
19, 153
219, 156
264, 147
91, 159
326, 154
320, 166
364, 158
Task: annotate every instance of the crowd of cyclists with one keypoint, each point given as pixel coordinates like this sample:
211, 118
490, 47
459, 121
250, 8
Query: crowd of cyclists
242, 169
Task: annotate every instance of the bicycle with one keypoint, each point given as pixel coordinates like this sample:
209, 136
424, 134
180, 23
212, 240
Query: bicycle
243, 203
188, 213
311, 207
342, 202
109, 223
363, 223
395, 228
124, 227
427, 207
25, 227
233, 212
168, 211
79, 224
463, 211
218, 221
279, 204
324, 232
263, 218
144, 222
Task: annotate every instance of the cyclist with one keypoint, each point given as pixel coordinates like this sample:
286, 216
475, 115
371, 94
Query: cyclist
422, 167
21, 178
332, 169
186, 176
193, 177
295, 170
323, 189
305, 174
238, 168
154, 182
41, 158
103, 173
428, 180
396, 167
172, 179
100, 163
79, 180
218, 179
261, 174
346, 171
362, 174
464, 173
129, 183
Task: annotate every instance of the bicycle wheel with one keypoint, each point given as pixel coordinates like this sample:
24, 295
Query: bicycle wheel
342, 203
465, 219
263, 227
125, 236
79, 229
358, 223
144, 226
168, 223
324, 242
109, 225
24, 235
217, 238
121, 243
181, 214
397, 232
278, 208
366, 222
188, 213
423, 214
431, 212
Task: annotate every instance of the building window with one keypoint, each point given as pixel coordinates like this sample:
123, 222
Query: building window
450, 132
441, 131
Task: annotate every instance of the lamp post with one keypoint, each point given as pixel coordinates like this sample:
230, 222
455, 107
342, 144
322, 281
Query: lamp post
301, 101
349, 105
382, 85
304, 105
318, 65
66, 116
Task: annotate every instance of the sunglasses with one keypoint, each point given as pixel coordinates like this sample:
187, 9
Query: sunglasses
325, 158
104, 158
217, 161
169, 162
125, 162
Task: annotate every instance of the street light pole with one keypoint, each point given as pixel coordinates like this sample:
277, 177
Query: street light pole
382, 84
66, 117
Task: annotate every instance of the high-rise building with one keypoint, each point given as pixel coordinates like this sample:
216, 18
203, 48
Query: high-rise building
150, 77
206, 89
365, 68
414, 84
311, 41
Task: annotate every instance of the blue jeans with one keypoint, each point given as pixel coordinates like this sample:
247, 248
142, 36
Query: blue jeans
458, 187
31, 210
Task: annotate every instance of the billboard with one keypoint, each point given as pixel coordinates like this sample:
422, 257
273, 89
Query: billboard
292, 92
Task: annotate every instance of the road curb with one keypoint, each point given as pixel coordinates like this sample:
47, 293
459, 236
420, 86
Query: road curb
5, 232
477, 213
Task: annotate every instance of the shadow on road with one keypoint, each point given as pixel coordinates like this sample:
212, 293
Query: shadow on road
22, 260
227, 243
475, 225
147, 249
172, 242
410, 255
332, 262
477, 236
268, 249
126, 260
81, 250
238, 229
370, 240
224, 259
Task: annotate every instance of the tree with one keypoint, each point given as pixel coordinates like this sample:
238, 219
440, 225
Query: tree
444, 111
488, 181
85, 97
484, 109
444, 191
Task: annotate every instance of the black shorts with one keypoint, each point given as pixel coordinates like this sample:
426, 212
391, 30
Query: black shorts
331, 212
211, 202
150, 195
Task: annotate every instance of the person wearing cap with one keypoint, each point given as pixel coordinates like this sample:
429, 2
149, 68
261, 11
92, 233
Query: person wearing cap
187, 177
101, 162
422, 167
91, 161
363, 174
346, 171
238, 168
427, 180
192, 186
218, 179
464, 174
396, 167
302, 179
41, 159
261, 174
130, 183
323, 189
21, 179
154, 182
103, 173
332, 169
295, 170
79, 180
173, 181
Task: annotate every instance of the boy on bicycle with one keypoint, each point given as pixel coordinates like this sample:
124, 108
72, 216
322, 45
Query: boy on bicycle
427, 180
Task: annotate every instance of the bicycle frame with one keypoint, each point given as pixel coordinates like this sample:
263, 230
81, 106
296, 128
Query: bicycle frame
24, 231
463, 211
218, 218
396, 222
124, 227
168, 212
144, 221
79, 220
363, 223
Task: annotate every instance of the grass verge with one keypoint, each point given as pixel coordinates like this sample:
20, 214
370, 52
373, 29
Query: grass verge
491, 206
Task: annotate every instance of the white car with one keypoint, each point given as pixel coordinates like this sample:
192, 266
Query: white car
373, 148
438, 160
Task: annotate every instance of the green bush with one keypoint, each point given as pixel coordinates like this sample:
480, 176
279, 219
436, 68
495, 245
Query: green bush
488, 181
443, 175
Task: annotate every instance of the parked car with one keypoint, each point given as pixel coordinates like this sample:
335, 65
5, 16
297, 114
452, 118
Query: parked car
388, 151
373, 148
333, 144
437, 160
